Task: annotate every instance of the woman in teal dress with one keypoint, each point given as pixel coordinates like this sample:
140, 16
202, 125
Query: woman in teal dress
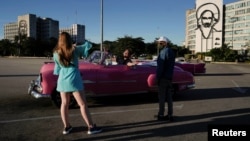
70, 81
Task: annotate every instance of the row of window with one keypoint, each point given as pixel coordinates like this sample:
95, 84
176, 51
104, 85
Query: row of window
238, 32
238, 5
238, 25
239, 38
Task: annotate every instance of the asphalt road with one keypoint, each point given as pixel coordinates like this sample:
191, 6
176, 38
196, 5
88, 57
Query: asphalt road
221, 96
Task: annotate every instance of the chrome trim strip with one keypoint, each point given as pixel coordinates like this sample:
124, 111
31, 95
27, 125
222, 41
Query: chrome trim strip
109, 81
39, 95
190, 86
88, 81
117, 81
34, 93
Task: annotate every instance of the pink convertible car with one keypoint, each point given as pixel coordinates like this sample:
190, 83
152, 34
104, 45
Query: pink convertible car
102, 77
193, 66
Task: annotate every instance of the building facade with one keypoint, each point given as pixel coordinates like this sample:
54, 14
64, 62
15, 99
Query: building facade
27, 25
211, 24
10, 31
32, 26
191, 25
47, 28
237, 24
77, 32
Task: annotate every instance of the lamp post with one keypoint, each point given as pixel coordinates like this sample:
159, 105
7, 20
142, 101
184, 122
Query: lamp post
19, 43
101, 25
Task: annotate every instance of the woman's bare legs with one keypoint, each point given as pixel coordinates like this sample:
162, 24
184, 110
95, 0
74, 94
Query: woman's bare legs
81, 101
65, 97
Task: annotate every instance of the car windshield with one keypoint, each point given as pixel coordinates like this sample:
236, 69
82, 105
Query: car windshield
96, 57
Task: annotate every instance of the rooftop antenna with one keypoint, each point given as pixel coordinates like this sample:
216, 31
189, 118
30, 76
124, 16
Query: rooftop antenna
76, 16
76, 29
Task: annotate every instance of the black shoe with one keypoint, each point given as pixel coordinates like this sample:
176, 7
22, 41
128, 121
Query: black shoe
161, 118
67, 130
170, 118
94, 130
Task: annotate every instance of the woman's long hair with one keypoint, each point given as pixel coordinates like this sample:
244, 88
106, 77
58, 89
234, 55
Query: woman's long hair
65, 49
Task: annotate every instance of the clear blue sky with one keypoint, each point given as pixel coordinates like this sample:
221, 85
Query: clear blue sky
148, 19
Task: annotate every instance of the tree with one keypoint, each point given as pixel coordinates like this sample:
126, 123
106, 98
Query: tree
135, 44
151, 48
5, 47
181, 51
216, 54
224, 53
29, 47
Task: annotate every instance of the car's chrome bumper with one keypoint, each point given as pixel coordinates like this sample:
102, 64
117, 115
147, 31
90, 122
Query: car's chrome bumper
35, 89
191, 86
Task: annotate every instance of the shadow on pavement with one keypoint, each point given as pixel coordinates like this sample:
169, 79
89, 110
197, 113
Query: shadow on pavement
238, 116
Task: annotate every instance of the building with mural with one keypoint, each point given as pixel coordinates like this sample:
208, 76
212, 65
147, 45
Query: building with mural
211, 24
32, 26
41, 28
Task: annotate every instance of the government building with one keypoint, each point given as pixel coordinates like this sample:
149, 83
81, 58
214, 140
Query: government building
41, 29
211, 24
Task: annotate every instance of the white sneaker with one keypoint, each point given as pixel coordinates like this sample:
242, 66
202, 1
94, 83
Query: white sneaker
94, 130
67, 130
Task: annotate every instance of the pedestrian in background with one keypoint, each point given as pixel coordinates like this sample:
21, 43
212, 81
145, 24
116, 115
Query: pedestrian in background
70, 81
164, 75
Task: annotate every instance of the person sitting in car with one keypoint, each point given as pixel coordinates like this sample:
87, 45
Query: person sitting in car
126, 58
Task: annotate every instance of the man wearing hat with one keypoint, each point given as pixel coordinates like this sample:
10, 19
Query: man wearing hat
164, 75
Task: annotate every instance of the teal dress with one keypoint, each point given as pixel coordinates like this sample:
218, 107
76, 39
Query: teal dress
70, 79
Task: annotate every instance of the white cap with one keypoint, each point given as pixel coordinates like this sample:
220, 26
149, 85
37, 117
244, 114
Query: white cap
163, 39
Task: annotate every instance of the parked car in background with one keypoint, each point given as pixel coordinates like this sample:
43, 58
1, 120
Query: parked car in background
193, 66
102, 77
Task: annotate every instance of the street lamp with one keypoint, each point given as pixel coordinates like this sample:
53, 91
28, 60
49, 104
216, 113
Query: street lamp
19, 43
101, 25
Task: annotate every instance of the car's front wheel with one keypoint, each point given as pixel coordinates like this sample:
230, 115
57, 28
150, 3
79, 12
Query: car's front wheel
56, 98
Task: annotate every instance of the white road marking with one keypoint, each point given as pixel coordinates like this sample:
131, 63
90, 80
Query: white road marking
97, 113
238, 88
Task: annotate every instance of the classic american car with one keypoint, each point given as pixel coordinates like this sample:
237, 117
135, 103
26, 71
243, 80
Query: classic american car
101, 77
193, 66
